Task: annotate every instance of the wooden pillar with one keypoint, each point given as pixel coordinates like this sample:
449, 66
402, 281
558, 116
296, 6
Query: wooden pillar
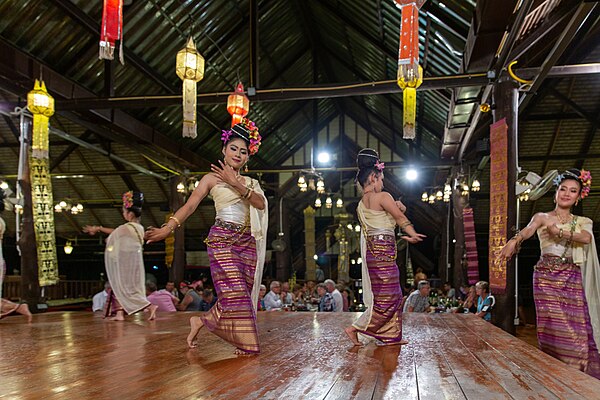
309, 243
176, 272
30, 287
506, 99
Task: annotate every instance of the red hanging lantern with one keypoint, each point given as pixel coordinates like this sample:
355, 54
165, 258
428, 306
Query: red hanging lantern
111, 29
238, 104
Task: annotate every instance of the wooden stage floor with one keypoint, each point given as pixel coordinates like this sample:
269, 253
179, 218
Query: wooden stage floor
77, 355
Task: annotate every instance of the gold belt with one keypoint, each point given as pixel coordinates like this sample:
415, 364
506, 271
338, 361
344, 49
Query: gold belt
556, 260
230, 225
381, 237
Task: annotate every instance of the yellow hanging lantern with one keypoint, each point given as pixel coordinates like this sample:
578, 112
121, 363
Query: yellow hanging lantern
190, 69
410, 73
41, 105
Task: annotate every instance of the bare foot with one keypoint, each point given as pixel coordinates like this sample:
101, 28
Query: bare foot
400, 343
119, 317
24, 310
153, 309
240, 352
353, 335
195, 326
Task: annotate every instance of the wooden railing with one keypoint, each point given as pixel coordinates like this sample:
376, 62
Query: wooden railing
64, 289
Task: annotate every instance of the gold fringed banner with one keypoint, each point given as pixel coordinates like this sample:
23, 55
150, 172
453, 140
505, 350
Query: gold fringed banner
41, 104
498, 204
169, 246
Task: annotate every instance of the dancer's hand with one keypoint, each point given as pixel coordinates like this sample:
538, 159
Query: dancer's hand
418, 237
91, 229
507, 251
401, 206
227, 174
156, 234
553, 230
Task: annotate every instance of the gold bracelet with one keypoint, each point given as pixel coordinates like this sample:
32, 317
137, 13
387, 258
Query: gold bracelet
560, 233
405, 224
245, 195
249, 194
174, 218
168, 226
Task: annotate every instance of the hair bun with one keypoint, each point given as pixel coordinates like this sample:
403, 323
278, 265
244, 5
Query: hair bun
367, 158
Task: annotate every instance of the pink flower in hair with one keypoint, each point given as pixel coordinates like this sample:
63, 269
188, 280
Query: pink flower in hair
225, 135
379, 165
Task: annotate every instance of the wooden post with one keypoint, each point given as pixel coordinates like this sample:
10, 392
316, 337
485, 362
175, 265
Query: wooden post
30, 287
176, 272
506, 101
309, 243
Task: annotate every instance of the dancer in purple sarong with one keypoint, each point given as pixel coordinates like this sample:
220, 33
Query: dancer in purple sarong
236, 242
566, 280
379, 214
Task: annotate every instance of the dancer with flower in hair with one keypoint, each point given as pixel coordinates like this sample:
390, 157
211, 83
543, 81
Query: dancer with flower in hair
566, 280
379, 214
236, 242
124, 263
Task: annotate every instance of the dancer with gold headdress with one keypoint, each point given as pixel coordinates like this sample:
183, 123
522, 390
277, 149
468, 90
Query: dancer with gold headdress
236, 242
123, 260
566, 280
379, 215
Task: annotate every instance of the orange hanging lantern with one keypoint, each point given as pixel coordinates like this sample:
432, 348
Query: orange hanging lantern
238, 104
111, 30
410, 74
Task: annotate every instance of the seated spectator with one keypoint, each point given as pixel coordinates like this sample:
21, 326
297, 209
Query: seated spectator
418, 301
485, 301
261, 298
163, 300
171, 289
297, 295
419, 276
99, 299
338, 302
449, 291
319, 274
286, 296
345, 302
273, 299
191, 298
208, 300
326, 302
310, 292
470, 303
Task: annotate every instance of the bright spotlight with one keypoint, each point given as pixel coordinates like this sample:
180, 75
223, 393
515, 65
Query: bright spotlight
412, 174
323, 157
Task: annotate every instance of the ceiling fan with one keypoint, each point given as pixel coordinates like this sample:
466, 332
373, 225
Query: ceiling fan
532, 186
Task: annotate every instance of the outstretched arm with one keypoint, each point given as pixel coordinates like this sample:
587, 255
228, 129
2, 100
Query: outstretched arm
389, 205
204, 186
514, 243
93, 229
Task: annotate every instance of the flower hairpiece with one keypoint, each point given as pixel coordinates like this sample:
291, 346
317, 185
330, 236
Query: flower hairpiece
379, 165
559, 178
253, 136
586, 182
225, 135
128, 199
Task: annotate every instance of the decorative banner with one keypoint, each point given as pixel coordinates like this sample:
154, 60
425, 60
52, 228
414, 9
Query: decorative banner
169, 245
410, 74
470, 246
111, 30
190, 69
41, 104
498, 204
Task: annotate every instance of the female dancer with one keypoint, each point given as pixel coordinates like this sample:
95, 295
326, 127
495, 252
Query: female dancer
566, 280
378, 215
236, 242
123, 260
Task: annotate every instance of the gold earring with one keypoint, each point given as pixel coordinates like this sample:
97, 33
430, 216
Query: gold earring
246, 167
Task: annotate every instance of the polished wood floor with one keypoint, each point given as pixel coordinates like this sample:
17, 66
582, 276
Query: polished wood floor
77, 355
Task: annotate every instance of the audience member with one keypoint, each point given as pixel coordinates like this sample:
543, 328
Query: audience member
261, 298
208, 300
163, 300
418, 301
449, 291
191, 299
345, 304
273, 299
470, 303
419, 276
319, 274
171, 289
326, 302
99, 299
338, 302
485, 301
286, 296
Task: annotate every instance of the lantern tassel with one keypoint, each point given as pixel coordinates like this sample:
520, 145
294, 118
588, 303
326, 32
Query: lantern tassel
189, 108
409, 97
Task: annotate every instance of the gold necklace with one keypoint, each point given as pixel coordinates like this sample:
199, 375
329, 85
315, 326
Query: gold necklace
561, 220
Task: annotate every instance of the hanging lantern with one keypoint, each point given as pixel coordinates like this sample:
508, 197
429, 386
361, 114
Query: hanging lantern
320, 186
41, 105
190, 69
431, 198
447, 189
318, 203
301, 181
465, 189
424, 197
410, 73
476, 186
111, 30
339, 203
439, 195
328, 202
238, 104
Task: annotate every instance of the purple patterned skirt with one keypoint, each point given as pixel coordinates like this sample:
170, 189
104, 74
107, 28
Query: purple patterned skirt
563, 321
386, 313
232, 255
